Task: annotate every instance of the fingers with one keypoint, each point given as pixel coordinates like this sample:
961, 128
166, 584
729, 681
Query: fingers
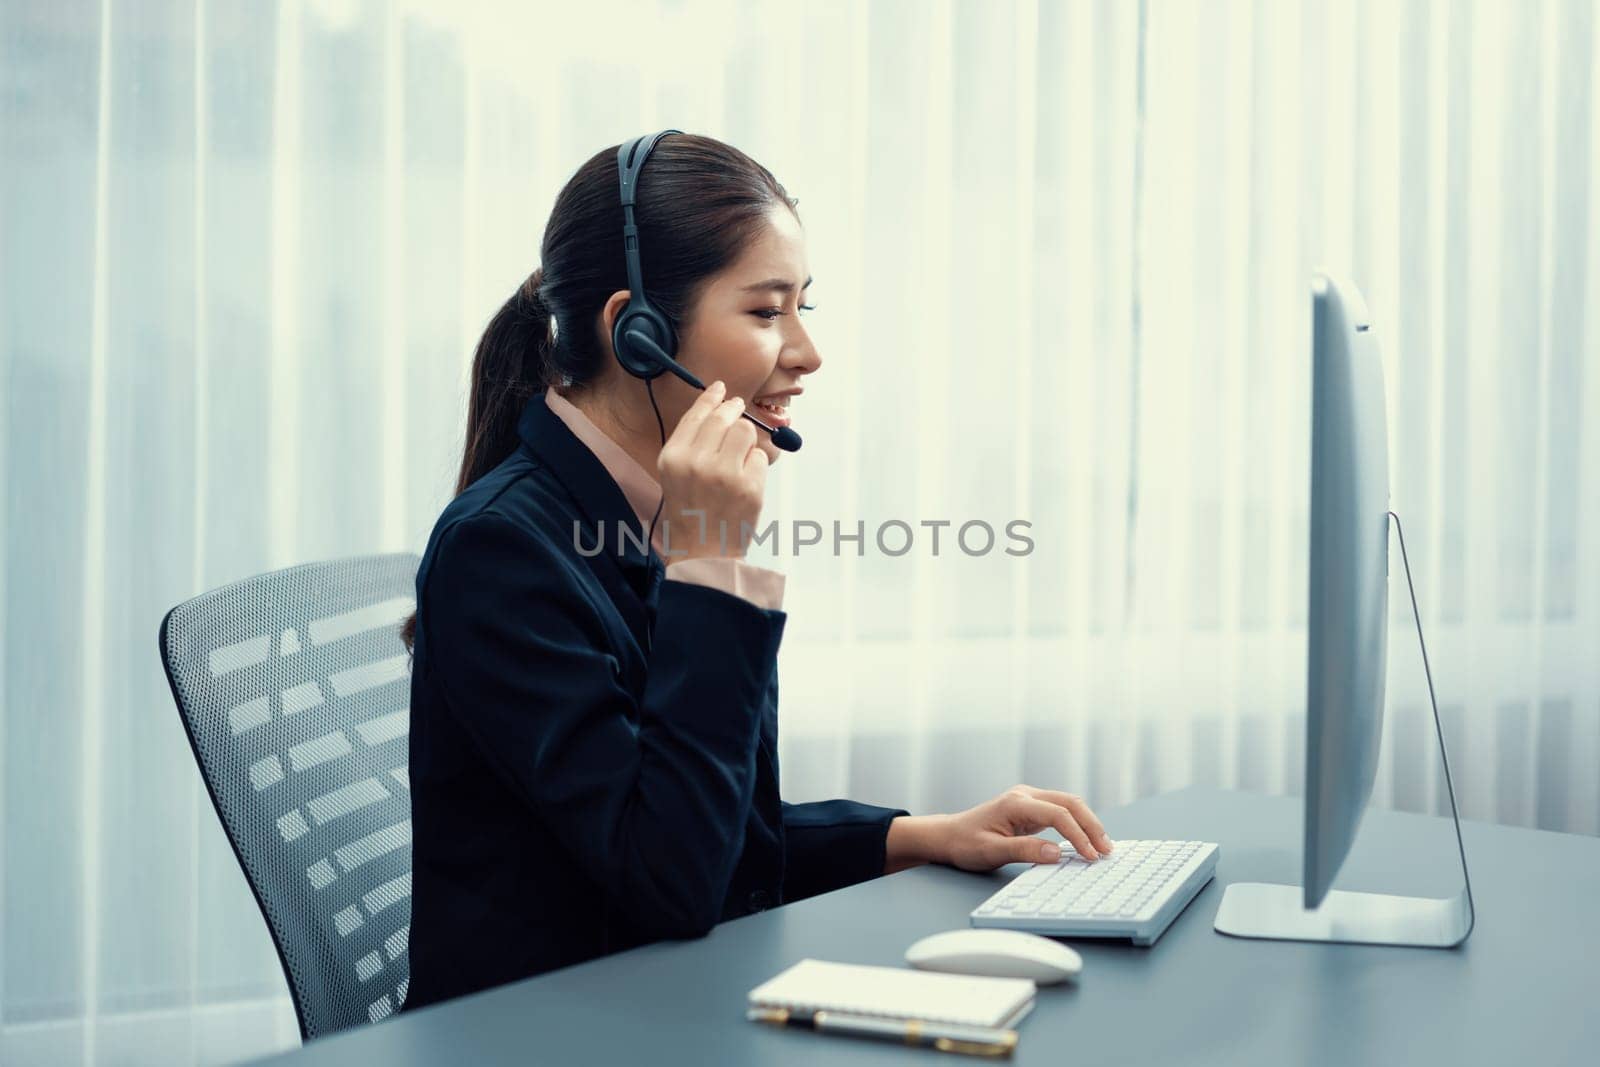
736, 446
703, 405
1080, 811
756, 464
1031, 850
709, 435
1044, 813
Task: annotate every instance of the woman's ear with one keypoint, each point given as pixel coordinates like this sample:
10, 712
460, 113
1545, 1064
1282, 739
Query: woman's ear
608, 320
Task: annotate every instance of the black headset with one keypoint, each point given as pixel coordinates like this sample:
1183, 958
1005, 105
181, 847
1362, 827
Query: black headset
643, 339
652, 354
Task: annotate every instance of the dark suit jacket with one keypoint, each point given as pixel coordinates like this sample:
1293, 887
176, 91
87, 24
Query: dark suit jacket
594, 751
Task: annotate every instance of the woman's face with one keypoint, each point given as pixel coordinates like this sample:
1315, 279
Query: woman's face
745, 329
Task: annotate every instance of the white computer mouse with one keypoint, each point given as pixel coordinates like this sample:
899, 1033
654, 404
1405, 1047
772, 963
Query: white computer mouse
998, 953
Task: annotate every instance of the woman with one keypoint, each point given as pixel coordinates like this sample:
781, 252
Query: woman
594, 735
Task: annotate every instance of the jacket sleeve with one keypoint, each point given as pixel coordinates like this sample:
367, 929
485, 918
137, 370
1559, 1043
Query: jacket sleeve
649, 796
829, 844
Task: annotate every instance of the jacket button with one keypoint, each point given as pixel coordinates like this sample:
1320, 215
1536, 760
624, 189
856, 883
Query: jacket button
759, 901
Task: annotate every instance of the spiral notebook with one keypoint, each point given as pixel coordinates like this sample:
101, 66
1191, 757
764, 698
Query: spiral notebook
898, 993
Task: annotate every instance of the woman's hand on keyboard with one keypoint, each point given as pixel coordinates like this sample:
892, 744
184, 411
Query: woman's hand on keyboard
1000, 831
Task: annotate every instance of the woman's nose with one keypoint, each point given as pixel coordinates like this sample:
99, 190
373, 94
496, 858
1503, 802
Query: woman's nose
803, 357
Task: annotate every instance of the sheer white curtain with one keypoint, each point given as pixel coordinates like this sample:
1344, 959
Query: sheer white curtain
1062, 253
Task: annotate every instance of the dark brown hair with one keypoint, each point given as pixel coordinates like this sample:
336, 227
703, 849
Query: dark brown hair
699, 203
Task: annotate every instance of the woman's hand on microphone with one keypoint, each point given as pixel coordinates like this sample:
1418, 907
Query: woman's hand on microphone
713, 479
997, 832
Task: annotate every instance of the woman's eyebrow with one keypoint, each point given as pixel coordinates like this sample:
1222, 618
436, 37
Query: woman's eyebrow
782, 285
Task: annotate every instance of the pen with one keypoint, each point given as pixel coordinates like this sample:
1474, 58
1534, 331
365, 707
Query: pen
967, 1040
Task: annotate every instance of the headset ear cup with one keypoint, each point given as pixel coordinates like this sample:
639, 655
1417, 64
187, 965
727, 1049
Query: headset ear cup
647, 320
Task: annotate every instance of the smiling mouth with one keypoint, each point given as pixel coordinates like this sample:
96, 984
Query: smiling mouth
772, 410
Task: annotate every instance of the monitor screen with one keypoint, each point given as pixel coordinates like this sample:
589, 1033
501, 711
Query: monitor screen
1348, 608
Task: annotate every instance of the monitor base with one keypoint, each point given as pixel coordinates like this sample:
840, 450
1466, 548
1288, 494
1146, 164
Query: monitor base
1277, 913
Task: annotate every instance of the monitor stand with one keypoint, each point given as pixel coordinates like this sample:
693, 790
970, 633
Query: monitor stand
1278, 912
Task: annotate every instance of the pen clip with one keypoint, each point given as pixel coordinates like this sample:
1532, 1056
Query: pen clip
1004, 1047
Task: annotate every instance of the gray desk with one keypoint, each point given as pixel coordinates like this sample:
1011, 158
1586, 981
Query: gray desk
1524, 989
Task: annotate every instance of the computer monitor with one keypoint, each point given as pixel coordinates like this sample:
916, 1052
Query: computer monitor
1347, 652
1347, 618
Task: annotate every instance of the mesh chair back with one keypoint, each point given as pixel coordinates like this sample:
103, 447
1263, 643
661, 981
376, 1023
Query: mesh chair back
294, 688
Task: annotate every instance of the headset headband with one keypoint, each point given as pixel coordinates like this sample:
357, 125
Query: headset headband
630, 162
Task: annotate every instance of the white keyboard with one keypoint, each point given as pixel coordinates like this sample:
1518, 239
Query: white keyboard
1134, 892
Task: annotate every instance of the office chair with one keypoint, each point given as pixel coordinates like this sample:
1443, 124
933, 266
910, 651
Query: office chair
294, 688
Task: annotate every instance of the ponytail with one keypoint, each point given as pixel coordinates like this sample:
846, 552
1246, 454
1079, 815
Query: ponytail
509, 368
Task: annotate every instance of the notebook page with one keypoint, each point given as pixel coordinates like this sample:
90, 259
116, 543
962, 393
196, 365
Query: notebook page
895, 992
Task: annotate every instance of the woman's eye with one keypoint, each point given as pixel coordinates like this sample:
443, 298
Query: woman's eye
771, 313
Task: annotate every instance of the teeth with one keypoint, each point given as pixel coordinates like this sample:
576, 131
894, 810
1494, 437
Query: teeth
772, 405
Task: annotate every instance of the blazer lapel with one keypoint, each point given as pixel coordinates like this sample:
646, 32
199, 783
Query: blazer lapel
631, 575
